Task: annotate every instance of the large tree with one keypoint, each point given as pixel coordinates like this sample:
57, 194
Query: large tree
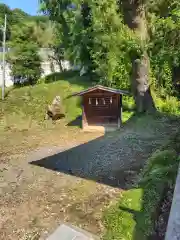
95, 30
23, 57
135, 16
120, 39
114, 44
15, 17
73, 30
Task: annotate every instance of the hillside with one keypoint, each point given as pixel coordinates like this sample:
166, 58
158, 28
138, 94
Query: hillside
17, 17
26, 105
31, 102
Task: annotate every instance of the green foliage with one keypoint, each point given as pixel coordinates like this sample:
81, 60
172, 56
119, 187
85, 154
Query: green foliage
168, 104
134, 215
93, 34
17, 17
163, 7
120, 224
4, 9
128, 108
164, 50
58, 12
23, 58
131, 218
114, 45
161, 167
128, 103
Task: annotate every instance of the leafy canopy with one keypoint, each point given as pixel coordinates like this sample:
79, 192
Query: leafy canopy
24, 58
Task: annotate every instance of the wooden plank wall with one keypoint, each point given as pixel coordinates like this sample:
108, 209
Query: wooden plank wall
99, 109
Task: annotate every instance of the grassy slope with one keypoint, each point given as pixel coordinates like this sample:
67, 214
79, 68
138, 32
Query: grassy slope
26, 105
29, 103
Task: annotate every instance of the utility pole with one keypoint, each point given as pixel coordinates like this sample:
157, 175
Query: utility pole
4, 52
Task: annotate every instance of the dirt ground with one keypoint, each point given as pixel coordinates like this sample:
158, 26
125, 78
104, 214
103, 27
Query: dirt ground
39, 191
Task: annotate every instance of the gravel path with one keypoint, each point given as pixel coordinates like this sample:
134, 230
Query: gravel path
51, 185
110, 158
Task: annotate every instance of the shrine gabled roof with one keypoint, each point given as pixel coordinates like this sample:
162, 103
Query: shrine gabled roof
100, 87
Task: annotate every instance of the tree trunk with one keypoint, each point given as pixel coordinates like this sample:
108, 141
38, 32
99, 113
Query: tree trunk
135, 17
60, 66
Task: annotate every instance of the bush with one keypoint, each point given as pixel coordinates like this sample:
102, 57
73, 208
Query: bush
169, 105
135, 214
128, 103
161, 167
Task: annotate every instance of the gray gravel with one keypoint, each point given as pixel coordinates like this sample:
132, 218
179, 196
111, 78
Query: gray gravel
107, 158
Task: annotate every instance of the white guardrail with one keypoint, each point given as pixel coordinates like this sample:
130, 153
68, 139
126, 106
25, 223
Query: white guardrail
173, 228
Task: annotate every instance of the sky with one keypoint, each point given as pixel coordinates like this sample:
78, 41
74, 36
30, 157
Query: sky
28, 6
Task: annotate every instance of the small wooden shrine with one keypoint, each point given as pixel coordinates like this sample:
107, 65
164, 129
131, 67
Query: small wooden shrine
101, 106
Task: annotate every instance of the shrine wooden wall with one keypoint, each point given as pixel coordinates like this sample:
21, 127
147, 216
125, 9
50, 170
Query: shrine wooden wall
101, 107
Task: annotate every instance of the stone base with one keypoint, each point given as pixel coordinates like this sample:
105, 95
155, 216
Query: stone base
101, 128
67, 232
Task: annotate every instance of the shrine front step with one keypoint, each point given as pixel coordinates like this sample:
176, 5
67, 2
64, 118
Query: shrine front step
101, 128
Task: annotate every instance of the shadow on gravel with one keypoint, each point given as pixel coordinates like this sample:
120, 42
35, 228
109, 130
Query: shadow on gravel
78, 161
87, 160
81, 161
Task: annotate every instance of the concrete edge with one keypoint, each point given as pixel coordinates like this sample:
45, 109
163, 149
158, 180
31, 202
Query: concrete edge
173, 228
88, 234
70, 232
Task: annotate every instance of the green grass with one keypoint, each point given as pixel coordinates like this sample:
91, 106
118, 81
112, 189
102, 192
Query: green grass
120, 224
131, 218
126, 116
134, 216
29, 103
26, 105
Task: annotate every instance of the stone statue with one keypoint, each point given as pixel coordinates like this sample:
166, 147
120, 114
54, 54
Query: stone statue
55, 111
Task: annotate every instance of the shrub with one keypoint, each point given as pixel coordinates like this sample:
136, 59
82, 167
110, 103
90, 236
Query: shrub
134, 215
128, 103
169, 105
161, 167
